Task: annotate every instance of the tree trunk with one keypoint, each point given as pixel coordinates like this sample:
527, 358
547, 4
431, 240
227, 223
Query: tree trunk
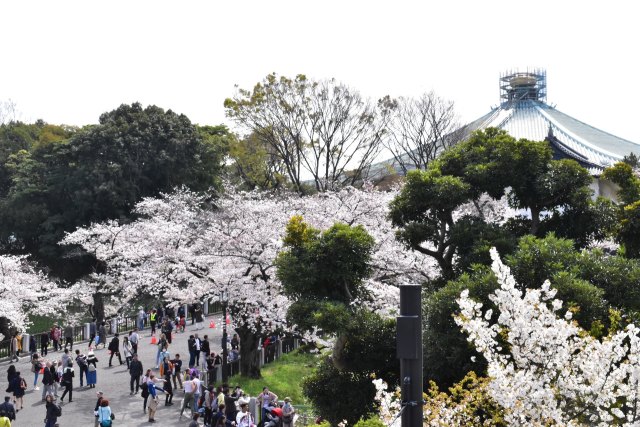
249, 364
535, 220
98, 308
5, 328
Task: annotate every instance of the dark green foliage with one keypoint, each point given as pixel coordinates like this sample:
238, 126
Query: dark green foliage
341, 386
339, 395
474, 238
588, 283
490, 162
100, 173
447, 353
323, 271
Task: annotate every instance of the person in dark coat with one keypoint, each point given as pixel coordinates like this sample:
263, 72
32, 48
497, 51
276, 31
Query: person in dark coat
7, 409
48, 378
52, 412
114, 348
102, 334
67, 381
135, 370
18, 386
44, 343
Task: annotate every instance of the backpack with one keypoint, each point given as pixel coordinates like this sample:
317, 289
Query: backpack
145, 390
58, 409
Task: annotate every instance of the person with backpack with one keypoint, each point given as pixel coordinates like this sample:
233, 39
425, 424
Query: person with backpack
67, 381
81, 360
92, 375
134, 338
53, 412
7, 409
36, 366
18, 387
105, 416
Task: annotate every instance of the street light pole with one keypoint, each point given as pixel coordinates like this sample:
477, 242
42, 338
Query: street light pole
409, 350
225, 355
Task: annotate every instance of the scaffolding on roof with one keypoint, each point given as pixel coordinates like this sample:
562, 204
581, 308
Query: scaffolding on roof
518, 85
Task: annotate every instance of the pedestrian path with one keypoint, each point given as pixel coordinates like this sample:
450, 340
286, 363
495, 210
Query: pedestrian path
114, 382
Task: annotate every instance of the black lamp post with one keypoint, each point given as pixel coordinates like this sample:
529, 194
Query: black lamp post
224, 299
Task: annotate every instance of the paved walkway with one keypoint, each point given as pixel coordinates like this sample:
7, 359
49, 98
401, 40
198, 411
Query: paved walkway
114, 382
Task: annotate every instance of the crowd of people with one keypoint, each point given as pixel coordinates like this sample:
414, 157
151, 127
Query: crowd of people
202, 401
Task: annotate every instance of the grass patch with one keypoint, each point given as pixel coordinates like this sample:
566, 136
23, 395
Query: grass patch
283, 377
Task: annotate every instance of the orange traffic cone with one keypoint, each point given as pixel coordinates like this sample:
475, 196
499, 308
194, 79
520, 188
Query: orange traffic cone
212, 325
153, 339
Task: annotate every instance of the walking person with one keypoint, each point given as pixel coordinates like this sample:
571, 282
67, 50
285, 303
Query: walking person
98, 406
48, 381
67, 381
102, 335
168, 401
144, 386
163, 345
135, 371
114, 348
105, 416
44, 344
141, 318
93, 330
55, 336
53, 412
18, 387
68, 337
36, 366
92, 375
153, 393
81, 360
13, 349
127, 351
134, 338
188, 396
177, 371
59, 370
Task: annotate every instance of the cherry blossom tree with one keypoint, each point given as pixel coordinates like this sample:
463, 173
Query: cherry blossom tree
543, 368
25, 290
185, 247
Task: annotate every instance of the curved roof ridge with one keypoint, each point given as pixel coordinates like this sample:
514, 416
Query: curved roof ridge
576, 137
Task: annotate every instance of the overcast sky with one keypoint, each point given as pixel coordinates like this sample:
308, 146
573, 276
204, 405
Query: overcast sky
69, 61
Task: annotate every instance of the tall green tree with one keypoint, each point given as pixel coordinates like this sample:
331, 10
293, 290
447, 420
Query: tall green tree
494, 163
99, 173
323, 273
628, 229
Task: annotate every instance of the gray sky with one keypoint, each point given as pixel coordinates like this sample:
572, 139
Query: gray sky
69, 61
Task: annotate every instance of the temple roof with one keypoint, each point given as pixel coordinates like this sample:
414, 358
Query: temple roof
537, 121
